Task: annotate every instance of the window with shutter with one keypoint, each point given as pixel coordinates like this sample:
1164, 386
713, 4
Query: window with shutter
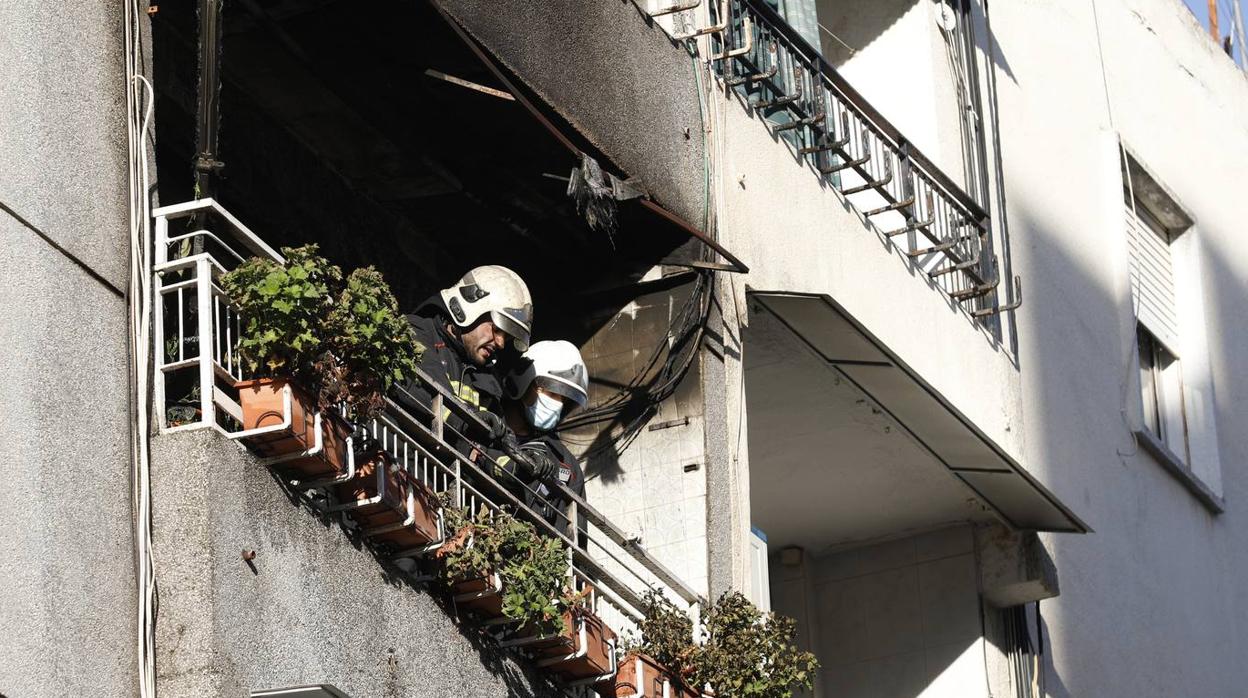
1152, 274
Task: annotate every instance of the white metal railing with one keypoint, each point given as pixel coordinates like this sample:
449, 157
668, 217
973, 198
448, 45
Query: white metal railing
194, 389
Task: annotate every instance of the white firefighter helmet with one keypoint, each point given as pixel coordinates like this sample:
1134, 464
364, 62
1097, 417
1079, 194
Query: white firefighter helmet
498, 291
556, 366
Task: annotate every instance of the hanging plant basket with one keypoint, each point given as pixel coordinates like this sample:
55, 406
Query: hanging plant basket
263, 405
391, 507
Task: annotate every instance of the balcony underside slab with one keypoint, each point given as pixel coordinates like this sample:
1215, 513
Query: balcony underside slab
847, 443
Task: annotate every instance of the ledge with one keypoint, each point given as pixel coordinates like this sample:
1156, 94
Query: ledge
1181, 472
312, 605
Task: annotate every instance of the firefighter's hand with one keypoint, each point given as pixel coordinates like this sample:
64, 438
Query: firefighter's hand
539, 461
496, 428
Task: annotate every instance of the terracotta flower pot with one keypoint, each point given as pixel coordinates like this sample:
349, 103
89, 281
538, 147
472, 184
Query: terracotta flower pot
641, 676
382, 520
262, 404
583, 650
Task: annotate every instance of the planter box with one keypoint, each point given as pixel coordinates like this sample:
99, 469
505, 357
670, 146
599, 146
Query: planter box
639, 675
583, 651
481, 596
262, 405
389, 497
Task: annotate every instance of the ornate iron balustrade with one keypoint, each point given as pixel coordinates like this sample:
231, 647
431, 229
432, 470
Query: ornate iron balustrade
890, 182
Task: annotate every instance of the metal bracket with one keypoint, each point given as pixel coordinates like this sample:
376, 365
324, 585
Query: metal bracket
334, 479
976, 291
972, 262
748, 28
1018, 301
757, 77
712, 29
866, 146
782, 100
825, 144
914, 224
615, 667
895, 206
940, 247
875, 183
817, 117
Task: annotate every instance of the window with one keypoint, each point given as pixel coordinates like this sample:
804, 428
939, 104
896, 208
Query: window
1161, 391
1157, 317
1177, 420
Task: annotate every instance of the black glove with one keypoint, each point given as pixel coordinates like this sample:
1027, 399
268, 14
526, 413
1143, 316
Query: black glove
537, 462
495, 427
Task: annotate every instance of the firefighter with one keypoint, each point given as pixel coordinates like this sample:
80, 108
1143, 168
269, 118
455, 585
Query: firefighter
548, 383
466, 329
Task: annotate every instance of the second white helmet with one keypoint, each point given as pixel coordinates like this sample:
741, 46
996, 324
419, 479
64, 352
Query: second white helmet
556, 366
498, 291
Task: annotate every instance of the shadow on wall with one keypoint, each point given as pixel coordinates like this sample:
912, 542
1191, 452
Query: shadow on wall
497, 661
846, 28
1153, 537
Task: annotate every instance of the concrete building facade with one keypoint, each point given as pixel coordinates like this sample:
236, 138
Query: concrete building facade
958, 484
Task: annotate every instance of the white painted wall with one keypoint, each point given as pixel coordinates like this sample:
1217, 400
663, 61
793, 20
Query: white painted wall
898, 58
898, 619
1152, 603
1157, 592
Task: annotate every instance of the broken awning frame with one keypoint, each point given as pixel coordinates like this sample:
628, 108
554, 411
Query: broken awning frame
838, 339
733, 263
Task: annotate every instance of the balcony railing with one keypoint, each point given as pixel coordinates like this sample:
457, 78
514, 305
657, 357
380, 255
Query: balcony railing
893, 185
194, 333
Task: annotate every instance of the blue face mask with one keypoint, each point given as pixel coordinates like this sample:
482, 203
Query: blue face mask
544, 413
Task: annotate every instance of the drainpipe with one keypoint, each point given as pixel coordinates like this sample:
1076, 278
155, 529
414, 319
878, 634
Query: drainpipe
208, 118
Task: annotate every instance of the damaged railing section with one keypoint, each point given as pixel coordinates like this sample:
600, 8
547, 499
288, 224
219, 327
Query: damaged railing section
197, 386
898, 190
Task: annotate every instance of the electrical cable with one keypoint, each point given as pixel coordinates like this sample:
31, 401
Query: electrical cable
838, 39
632, 406
140, 102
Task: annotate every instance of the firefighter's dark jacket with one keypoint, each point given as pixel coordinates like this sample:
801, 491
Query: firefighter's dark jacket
445, 362
546, 499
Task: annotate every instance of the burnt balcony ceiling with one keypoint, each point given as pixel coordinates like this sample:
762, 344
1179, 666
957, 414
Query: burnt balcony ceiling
336, 129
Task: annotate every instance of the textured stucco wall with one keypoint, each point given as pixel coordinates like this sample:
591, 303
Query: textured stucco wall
66, 572
319, 607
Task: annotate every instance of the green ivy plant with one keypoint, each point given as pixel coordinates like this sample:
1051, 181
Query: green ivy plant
666, 635
283, 308
345, 342
746, 652
743, 651
532, 568
371, 344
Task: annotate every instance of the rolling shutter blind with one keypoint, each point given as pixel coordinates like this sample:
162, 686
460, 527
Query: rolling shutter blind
1152, 278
